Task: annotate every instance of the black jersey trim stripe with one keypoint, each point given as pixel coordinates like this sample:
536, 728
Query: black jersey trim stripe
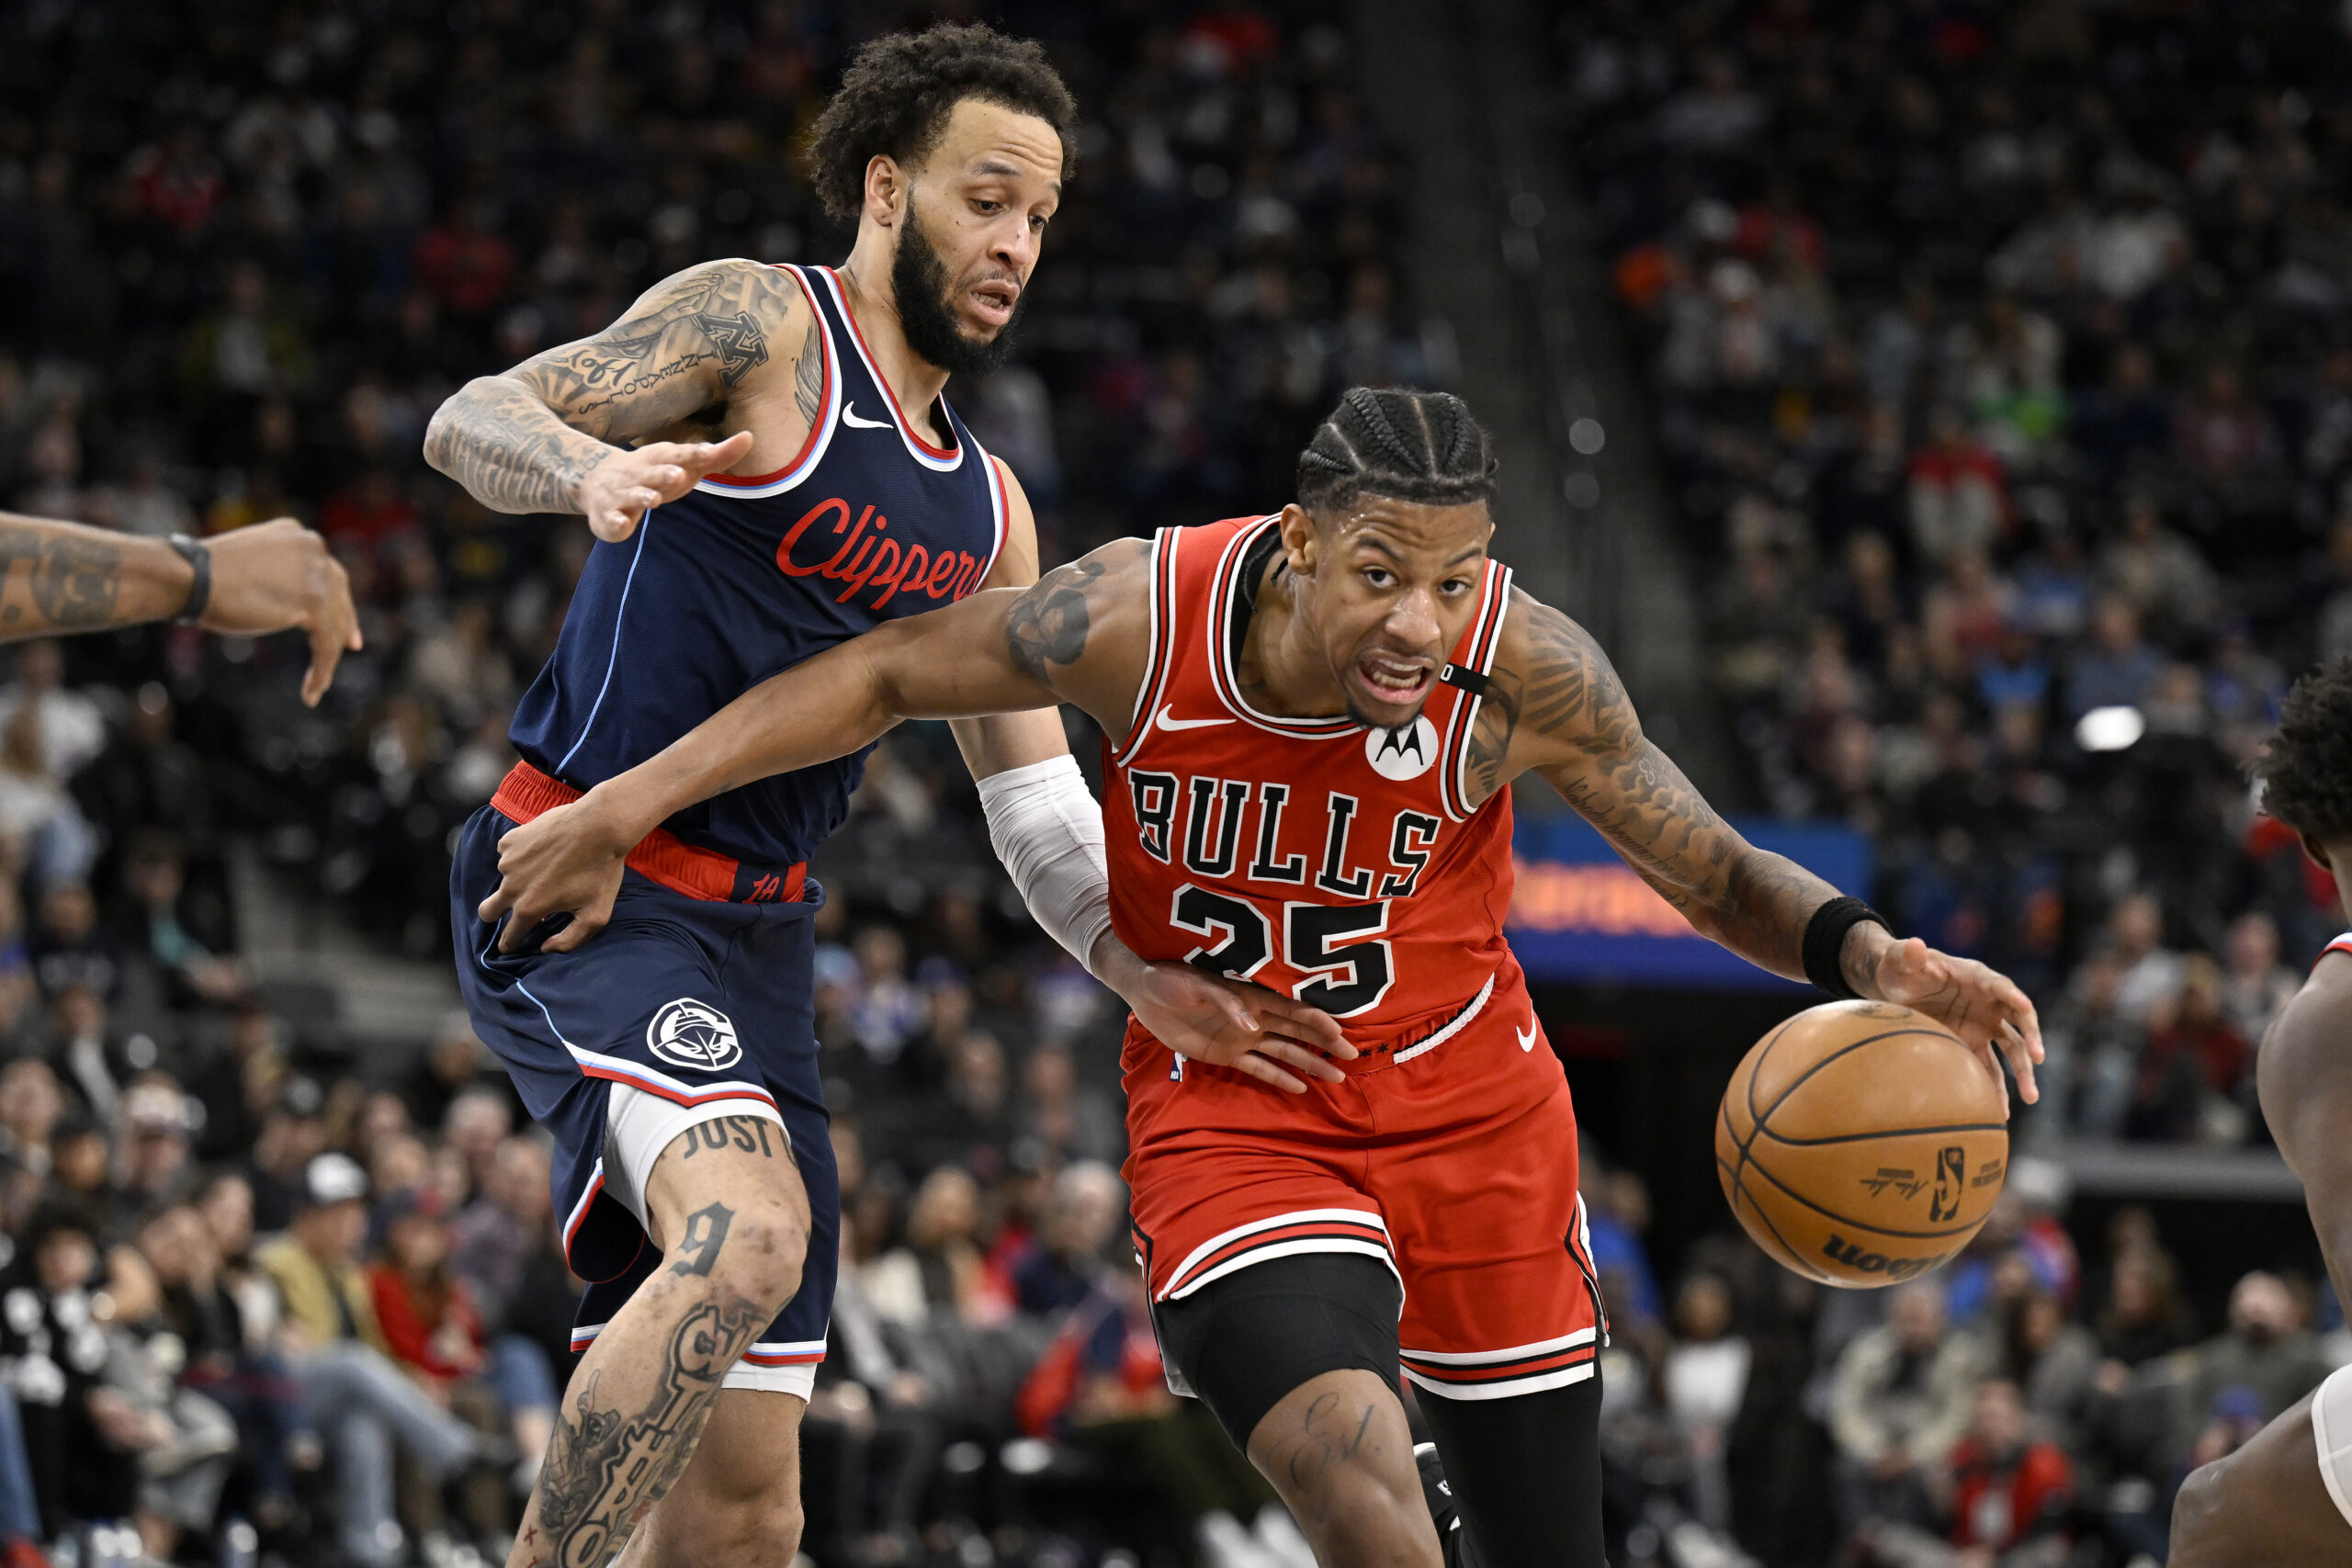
1159, 653
1485, 636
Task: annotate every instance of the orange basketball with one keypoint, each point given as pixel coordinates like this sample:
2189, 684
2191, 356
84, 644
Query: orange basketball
1861, 1143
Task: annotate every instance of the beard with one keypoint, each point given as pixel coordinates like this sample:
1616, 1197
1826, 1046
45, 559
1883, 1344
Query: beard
927, 316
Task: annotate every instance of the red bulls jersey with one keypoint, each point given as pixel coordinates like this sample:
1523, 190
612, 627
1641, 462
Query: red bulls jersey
1335, 864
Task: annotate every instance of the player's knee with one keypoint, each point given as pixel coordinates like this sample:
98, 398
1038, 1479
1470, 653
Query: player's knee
2199, 1518
1354, 1513
762, 1255
741, 1525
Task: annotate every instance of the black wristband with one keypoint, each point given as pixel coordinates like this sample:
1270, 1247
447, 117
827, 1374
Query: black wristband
199, 555
1825, 944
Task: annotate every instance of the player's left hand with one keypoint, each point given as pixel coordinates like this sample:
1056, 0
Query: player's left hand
565, 862
275, 575
1226, 1022
1975, 1001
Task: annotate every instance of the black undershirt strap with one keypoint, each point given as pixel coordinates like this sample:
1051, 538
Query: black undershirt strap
1253, 570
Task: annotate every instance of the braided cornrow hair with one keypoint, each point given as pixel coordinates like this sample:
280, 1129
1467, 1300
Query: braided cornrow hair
1417, 447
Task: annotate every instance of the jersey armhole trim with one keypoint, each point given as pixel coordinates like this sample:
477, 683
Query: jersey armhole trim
1486, 640
1159, 651
1000, 505
821, 429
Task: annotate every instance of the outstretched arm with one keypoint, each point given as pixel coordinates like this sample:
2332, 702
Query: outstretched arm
1078, 636
267, 577
558, 431
1558, 709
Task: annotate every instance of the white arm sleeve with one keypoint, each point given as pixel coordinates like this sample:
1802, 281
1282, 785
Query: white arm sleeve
1048, 831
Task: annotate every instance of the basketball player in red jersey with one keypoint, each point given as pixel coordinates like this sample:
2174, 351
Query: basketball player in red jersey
1312, 717
2285, 1499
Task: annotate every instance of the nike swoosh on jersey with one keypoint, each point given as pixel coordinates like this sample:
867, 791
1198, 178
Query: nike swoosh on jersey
1165, 722
849, 417
1526, 1041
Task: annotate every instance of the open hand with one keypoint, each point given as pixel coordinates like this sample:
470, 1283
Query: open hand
621, 488
566, 862
1978, 1003
274, 575
1228, 1023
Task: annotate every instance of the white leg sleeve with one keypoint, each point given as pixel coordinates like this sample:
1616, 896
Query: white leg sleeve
1048, 831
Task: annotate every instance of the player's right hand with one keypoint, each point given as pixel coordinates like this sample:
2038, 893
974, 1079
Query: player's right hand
1231, 1025
621, 488
563, 861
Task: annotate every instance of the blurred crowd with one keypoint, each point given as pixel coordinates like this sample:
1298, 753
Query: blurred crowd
263, 1301
2002, 357
2017, 1409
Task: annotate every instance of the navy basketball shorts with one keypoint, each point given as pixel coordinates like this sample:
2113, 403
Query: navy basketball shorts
683, 1014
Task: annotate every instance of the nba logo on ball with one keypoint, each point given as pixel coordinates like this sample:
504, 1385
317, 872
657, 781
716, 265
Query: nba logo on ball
1402, 754
694, 1035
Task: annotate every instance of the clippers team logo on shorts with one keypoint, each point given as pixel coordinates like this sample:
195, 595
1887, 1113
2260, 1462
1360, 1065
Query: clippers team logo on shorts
1402, 754
694, 1035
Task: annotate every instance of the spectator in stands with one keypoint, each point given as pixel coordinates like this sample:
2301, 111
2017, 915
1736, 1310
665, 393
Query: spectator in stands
1067, 1261
2150, 974
2194, 1069
1959, 495
182, 1445
360, 1401
82, 1170
504, 1249
52, 1355
2158, 573
2256, 984
290, 1136
432, 1328
2145, 1317
2117, 667
1900, 1401
1076, 1121
2008, 1494
1706, 1377
156, 1166
31, 1106
479, 1119
223, 1361
2267, 1351
937, 1270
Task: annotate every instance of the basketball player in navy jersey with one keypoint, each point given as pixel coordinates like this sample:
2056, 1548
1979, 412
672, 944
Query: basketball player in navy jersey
2285, 1499
766, 454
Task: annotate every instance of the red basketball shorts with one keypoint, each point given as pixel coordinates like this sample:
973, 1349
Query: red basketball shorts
1450, 1156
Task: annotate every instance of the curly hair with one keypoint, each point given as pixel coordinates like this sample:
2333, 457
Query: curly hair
2306, 770
899, 89
1420, 446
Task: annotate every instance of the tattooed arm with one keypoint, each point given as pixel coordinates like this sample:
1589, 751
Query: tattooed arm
1557, 708
63, 577
1080, 635
561, 431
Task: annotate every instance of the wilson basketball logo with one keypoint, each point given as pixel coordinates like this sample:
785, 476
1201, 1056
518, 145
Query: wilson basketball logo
1402, 754
694, 1035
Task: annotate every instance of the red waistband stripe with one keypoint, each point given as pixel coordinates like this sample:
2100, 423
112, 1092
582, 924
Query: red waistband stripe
527, 793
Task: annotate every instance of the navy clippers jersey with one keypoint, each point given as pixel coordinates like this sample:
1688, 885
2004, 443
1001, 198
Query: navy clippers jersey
743, 577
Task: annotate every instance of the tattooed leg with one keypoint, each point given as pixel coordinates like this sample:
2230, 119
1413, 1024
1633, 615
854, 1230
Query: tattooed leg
733, 1222
738, 1501
1338, 1451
